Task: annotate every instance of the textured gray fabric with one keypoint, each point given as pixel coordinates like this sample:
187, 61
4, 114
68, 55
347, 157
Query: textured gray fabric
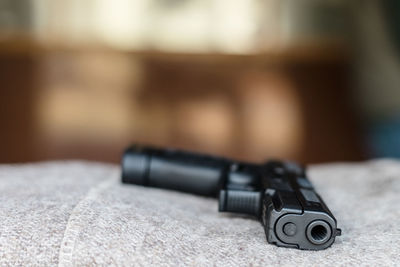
78, 213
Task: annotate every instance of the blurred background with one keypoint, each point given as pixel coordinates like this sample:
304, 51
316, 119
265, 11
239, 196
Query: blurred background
308, 80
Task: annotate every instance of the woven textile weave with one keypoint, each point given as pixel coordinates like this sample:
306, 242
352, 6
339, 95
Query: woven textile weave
78, 213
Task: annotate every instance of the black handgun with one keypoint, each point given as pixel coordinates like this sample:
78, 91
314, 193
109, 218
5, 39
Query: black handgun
276, 192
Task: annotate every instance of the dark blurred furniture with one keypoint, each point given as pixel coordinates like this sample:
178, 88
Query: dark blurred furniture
208, 103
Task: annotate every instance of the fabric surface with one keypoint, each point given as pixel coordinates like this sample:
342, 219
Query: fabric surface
78, 213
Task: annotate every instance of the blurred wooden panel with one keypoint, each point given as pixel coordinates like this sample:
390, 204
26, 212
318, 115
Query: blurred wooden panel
17, 99
247, 111
91, 103
300, 110
333, 132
